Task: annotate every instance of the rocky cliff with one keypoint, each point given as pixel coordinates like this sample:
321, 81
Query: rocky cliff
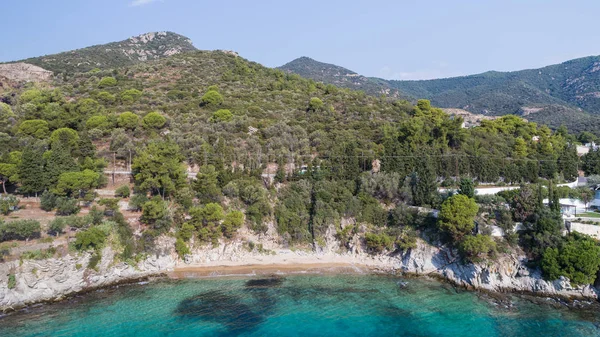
23, 72
54, 278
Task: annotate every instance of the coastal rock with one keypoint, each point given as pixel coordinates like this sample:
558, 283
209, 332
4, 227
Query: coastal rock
56, 278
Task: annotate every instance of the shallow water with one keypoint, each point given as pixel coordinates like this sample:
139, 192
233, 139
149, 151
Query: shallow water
307, 305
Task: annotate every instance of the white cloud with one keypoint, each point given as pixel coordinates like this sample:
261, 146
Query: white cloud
136, 3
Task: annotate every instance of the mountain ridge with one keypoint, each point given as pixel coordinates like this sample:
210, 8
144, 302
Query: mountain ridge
565, 93
136, 49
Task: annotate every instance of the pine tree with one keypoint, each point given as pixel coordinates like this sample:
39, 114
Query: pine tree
424, 184
31, 171
59, 162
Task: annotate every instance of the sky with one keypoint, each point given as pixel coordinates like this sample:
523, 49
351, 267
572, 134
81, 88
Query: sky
391, 39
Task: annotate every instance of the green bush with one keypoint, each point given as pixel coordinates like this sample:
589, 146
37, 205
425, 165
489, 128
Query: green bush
130, 96
19, 230
477, 248
12, 281
48, 201
222, 115
128, 120
56, 226
211, 99
36, 128
97, 122
122, 192
181, 248
315, 104
379, 242
577, 258
66, 206
106, 82
92, 238
94, 260
153, 120
8, 203
232, 222
137, 201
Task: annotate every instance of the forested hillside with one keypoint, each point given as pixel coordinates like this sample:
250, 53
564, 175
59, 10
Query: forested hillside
145, 47
339, 76
573, 83
332, 153
568, 92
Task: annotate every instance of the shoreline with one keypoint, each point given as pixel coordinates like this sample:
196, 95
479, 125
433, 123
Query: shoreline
213, 271
266, 269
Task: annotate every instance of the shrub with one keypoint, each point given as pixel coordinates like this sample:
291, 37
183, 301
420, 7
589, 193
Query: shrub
153, 210
92, 238
106, 82
19, 230
137, 201
457, 216
467, 187
122, 192
66, 136
232, 222
8, 203
12, 281
181, 248
578, 258
35, 127
57, 226
97, 122
106, 97
315, 104
477, 248
129, 96
128, 120
66, 206
222, 115
94, 260
211, 98
153, 120
379, 242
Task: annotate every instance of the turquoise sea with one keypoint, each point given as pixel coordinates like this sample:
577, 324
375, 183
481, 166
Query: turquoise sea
306, 305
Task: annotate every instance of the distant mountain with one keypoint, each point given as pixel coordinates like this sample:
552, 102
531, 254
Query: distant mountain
566, 93
338, 76
149, 46
574, 83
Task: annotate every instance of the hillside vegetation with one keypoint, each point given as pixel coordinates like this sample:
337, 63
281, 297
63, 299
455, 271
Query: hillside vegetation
145, 47
273, 151
339, 76
568, 92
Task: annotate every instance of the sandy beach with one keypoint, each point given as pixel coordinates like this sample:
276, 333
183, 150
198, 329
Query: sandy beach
290, 263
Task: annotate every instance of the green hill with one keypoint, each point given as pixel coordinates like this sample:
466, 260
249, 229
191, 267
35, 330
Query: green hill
270, 150
338, 76
574, 83
568, 93
145, 47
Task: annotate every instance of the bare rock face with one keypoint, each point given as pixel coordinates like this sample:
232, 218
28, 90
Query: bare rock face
24, 72
57, 277
54, 278
507, 273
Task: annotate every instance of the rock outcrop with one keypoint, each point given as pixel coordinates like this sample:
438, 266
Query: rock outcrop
57, 277
507, 273
24, 72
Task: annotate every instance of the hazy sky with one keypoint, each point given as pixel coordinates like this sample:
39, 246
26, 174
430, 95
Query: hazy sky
393, 39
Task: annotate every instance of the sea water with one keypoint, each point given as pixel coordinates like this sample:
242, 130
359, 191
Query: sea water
306, 305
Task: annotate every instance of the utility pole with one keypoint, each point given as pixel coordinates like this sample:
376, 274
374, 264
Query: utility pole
114, 167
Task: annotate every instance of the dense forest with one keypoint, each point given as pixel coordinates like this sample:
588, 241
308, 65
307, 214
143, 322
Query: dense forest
563, 94
275, 148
